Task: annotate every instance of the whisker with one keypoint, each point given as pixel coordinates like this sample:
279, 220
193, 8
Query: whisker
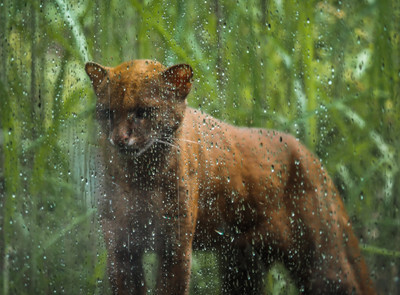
186, 140
149, 144
167, 143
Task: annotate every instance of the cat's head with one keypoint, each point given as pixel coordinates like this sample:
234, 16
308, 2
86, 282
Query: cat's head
140, 102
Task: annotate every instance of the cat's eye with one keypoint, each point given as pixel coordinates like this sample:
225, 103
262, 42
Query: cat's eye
142, 113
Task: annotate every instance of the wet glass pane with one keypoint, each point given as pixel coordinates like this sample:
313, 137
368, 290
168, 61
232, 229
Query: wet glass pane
121, 170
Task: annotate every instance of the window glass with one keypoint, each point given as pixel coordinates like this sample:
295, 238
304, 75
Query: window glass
327, 72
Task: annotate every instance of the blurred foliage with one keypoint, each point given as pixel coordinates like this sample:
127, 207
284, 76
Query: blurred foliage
326, 71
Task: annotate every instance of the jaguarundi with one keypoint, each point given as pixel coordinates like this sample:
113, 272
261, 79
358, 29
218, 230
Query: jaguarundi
177, 179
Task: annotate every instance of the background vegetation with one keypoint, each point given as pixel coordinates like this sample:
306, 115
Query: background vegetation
326, 71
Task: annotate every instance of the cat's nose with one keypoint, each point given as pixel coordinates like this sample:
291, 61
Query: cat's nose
122, 140
126, 140
122, 137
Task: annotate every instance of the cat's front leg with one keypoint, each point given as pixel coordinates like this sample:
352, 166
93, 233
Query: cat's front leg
124, 263
176, 255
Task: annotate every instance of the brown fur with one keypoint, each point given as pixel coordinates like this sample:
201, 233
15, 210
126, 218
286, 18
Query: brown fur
177, 178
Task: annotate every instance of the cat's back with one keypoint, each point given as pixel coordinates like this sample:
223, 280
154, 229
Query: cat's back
211, 134
213, 148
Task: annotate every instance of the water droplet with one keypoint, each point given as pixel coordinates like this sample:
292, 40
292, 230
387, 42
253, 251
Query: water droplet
221, 233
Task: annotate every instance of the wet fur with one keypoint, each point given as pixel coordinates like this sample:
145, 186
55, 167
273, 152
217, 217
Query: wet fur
178, 179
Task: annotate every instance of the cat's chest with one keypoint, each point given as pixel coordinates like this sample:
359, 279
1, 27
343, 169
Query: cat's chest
133, 189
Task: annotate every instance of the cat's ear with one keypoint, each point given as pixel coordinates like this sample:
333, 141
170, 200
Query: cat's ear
179, 77
97, 73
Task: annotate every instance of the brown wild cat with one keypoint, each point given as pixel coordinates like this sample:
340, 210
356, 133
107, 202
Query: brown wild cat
178, 179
